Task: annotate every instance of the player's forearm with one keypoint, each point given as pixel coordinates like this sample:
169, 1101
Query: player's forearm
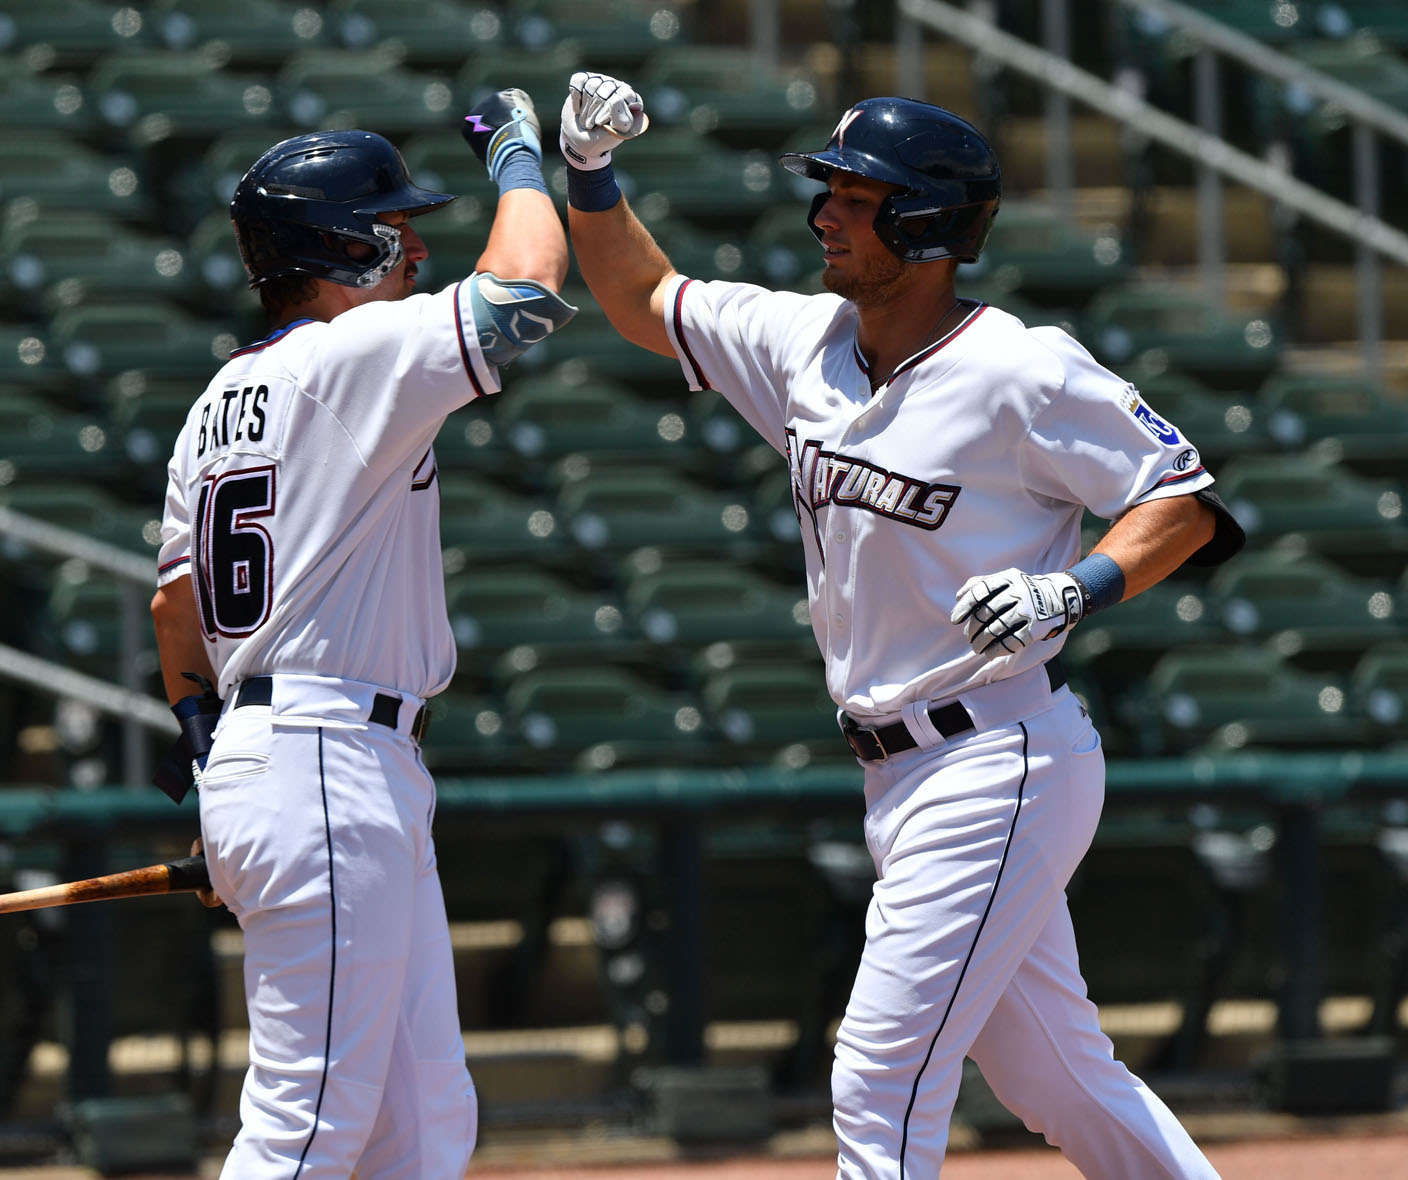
178, 639
1153, 539
527, 240
626, 272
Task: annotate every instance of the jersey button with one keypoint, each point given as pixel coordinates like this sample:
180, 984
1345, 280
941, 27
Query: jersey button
839, 620
840, 538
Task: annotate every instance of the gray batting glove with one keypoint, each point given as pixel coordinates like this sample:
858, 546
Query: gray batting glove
1006, 611
600, 113
503, 123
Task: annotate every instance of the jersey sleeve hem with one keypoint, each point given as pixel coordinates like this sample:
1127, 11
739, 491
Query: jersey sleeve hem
675, 329
178, 567
483, 376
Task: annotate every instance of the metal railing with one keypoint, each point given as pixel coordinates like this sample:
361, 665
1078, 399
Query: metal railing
138, 711
1211, 154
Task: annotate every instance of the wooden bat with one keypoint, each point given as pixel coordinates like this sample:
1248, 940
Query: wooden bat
177, 876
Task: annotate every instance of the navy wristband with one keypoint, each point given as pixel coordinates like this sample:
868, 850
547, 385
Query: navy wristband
592, 192
1101, 579
521, 170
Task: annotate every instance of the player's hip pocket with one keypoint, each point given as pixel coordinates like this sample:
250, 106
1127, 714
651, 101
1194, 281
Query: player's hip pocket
233, 766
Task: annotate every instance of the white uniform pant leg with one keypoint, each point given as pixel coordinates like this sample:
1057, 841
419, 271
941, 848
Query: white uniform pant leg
1047, 1061
973, 844
317, 840
429, 1113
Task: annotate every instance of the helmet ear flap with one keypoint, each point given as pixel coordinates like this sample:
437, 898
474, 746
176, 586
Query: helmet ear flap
817, 202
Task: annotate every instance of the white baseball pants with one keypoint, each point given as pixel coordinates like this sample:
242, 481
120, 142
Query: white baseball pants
318, 839
970, 952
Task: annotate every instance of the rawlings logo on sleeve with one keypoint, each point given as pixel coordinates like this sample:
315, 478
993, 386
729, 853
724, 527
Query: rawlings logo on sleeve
1161, 430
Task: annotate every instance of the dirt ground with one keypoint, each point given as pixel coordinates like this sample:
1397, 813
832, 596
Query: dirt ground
1350, 1156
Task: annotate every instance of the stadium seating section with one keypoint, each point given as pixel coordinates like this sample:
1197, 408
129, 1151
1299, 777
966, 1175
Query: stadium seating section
617, 546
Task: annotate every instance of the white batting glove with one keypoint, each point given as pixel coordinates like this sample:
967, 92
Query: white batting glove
600, 113
1006, 611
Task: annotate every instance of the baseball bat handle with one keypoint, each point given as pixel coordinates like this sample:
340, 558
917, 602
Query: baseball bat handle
178, 876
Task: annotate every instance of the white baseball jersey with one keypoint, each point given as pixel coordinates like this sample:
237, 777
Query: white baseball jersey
979, 453
302, 495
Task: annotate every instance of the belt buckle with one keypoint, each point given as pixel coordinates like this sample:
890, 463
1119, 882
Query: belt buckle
852, 733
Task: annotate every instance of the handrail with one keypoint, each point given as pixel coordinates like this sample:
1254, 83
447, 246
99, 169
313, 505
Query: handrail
123, 703
1252, 53
62, 542
950, 21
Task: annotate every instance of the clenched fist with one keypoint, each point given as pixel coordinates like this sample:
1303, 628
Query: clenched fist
600, 113
1006, 611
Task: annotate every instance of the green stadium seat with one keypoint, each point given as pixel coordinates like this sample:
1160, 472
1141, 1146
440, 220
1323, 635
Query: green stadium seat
147, 412
785, 248
541, 71
1349, 421
68, 34
470, 735
1334, 511
613, 35
591, 344
614, 509
494, 609
62, 173
483, 522
88, 509
1384, 20
720, 90
1256, 18
62, 257
676, 171
429, 32
693, 603
51, 103
546, 417
704, 255
153, 95
28, 360
1317, 614
1039, 253
41, 442
760, 708
322, 88
88, 616
1108, 656
1178, 328
1225, 698
563, 712
98, 340
1379, 684
257, 33
439, 158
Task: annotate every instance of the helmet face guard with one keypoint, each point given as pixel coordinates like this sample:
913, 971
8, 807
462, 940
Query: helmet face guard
308, 201
948, 174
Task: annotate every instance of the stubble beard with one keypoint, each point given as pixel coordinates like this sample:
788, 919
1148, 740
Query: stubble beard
873, 285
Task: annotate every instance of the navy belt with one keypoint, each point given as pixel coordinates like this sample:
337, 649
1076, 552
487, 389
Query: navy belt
875, 745
385, 710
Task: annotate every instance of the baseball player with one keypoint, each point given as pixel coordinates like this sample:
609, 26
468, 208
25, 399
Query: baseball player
942, 455
300, 573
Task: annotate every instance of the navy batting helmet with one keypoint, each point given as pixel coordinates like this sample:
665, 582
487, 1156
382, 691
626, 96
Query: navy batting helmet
947, 170
309, 198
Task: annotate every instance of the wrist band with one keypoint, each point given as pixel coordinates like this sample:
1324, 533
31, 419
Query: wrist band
521, 169
592, 192
1100, 579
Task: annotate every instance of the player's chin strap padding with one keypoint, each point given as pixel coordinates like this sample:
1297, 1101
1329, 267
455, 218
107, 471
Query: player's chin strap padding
512, 315
951, 719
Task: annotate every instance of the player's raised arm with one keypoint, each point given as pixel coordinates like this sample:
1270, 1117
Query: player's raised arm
526, 240
622, 265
